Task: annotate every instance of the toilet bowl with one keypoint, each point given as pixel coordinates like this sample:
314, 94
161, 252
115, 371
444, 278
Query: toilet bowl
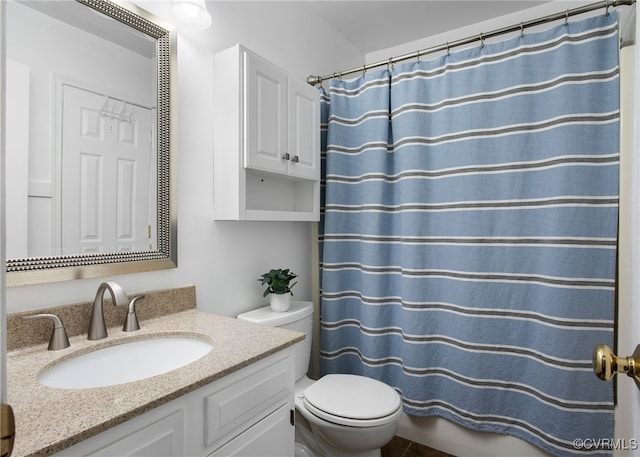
348, 415
339, 415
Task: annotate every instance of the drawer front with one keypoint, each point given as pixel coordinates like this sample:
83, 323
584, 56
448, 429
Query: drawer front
237, 406
158, 433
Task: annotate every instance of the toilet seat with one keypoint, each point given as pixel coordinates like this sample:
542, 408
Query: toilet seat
352, 400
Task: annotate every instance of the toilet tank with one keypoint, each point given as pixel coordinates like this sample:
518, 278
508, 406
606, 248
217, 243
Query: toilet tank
299, 317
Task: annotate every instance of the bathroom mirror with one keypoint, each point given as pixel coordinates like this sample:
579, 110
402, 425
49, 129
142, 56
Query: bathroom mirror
90, 140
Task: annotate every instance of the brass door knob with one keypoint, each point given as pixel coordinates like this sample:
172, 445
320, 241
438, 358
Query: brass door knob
606, 364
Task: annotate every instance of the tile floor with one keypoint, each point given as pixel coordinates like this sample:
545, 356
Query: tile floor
400, 447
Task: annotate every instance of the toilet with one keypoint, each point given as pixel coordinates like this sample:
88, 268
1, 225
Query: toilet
338, 415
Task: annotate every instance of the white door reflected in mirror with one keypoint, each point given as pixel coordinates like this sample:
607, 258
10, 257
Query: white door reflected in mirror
106, 174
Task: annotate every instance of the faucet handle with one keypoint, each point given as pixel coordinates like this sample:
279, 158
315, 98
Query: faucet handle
131, 323
59, 339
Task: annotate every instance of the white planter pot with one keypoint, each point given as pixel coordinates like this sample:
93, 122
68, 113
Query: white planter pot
280, 302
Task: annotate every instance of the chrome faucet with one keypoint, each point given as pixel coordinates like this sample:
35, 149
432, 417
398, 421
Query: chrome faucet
97, 327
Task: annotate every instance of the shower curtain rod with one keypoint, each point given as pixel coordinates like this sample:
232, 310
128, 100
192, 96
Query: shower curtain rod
313, 80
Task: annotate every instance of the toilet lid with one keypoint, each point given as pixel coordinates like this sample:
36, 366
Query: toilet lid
351, 400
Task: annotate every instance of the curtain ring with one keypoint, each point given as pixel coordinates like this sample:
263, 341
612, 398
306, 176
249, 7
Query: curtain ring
606, 4
364, 70
390, 65
418, 55
566, 18
481, 40
448, 49
521, 29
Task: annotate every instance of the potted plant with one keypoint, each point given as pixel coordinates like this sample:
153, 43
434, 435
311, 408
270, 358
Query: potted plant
279, 285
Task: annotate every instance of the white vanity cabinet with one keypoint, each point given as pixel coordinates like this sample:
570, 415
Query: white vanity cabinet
266, 141
247, 413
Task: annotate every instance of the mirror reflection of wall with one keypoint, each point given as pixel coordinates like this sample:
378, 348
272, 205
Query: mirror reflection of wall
81, 119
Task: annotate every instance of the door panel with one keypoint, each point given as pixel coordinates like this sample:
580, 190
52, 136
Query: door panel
304, 134
627, 416
105, 174
265, 116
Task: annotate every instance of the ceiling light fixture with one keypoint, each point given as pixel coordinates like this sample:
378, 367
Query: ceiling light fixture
191, 14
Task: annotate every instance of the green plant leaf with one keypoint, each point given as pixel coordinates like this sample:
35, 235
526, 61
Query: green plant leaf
278, 281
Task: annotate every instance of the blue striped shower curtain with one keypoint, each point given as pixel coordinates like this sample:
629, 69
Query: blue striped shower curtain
469, 233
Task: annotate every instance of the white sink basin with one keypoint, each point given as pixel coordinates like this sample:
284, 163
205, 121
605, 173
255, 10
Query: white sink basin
125, 362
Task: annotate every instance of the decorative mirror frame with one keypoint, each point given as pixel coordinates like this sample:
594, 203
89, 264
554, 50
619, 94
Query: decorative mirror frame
35, 270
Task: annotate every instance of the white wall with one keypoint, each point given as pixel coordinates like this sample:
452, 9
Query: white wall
3, 307
222, 259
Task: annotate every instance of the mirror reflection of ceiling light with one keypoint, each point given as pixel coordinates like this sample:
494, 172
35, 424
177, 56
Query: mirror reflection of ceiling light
190, 14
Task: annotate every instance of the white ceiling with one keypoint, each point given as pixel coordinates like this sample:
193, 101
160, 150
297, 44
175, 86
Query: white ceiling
375, 25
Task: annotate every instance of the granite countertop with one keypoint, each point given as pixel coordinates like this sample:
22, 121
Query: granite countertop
49, 419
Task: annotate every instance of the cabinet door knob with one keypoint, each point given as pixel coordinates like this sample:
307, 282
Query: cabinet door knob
295, 159
285, 156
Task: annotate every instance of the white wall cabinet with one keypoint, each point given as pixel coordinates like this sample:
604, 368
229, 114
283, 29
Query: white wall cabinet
266, 141
247, 413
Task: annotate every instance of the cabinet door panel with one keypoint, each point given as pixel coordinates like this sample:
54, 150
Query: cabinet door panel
265, 116
251, 398
304, 130
271, 437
